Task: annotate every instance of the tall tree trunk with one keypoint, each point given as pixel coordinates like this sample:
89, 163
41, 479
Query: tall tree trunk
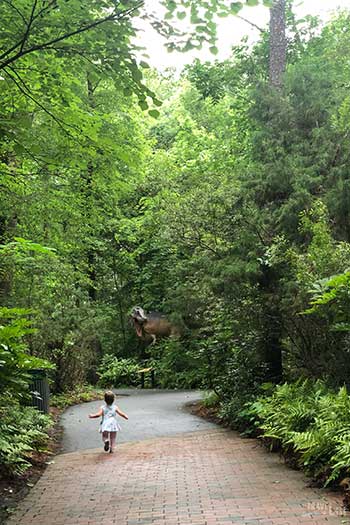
278, 43
119, 300
272, 317
271, 325
88, 191
94, 341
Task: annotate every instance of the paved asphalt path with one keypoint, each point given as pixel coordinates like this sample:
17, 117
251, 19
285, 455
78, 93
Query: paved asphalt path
152, 414
190, 473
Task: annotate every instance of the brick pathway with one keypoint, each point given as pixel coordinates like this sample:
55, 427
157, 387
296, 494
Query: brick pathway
202, 478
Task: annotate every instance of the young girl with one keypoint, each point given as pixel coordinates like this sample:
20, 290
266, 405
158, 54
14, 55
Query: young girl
109, 424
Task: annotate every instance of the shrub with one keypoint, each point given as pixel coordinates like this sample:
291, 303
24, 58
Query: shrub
115, 371
308, 421
80, 394
240, 385
23, 431
15, 361
177, 365
211, 400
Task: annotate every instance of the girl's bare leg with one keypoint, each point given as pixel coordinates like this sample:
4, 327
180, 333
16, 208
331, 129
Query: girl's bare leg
113, 440
106, 440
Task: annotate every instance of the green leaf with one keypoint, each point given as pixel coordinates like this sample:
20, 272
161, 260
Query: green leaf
214, 50
25, 121
181, 15
33, 246
136, 74
171, 5
143, 105
189, 45
236, 7
252, 3
19, 149
157, 102
144, 64
154, 113
36, 149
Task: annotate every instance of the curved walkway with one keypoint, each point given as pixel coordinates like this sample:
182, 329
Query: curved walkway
206, 477
152, 414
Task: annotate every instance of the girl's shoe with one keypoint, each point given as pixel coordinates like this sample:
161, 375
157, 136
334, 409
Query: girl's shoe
106, 447
110, 451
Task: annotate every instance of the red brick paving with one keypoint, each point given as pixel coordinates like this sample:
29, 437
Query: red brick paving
203, 478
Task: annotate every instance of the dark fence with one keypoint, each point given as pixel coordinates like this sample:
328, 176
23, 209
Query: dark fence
40, 390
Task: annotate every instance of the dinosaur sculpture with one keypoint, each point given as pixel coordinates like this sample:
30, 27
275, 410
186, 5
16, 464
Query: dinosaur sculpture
152, 324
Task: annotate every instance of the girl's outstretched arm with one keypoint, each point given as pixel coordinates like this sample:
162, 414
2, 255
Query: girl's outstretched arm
121, 413
98, 414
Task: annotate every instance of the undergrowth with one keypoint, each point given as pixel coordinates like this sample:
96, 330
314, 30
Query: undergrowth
308, 422
81, 394
23, 432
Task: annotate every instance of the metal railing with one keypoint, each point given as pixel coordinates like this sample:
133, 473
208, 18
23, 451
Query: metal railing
40, 391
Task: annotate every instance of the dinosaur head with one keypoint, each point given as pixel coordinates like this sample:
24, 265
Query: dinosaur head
138, 318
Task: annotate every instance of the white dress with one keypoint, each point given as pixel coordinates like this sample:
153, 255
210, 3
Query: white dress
109, 421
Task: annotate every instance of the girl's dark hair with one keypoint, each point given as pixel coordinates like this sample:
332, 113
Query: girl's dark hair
109, 397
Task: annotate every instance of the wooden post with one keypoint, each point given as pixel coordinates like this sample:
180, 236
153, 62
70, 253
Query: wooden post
144, 371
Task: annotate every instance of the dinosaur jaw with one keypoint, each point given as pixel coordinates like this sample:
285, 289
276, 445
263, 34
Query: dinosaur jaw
138, 329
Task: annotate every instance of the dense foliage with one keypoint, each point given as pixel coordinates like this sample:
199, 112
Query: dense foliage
22, 431
214, 198
22, 428
116, 372
310, 423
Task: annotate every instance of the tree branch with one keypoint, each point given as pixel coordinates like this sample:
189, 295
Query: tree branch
53, 4
24, 89
29, 25
26, 92
251, 24
15, 9
71, 51
110, 18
